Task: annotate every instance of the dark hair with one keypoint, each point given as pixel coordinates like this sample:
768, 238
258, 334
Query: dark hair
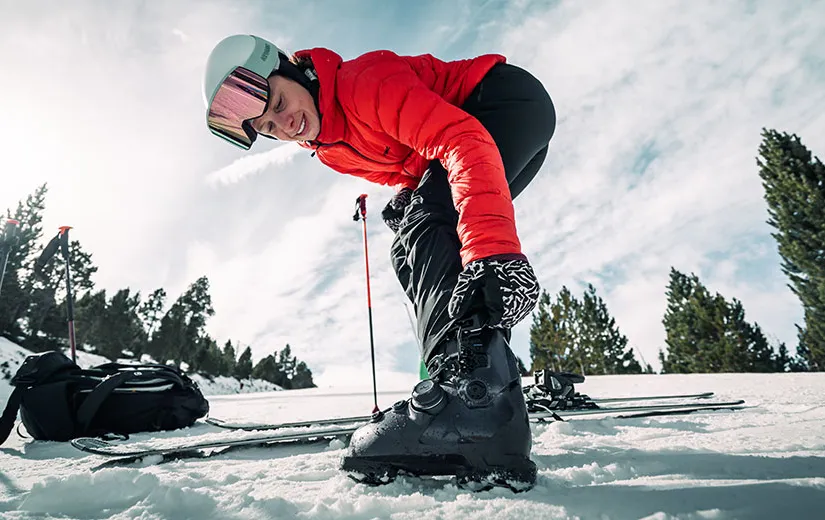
303, 62
296, 69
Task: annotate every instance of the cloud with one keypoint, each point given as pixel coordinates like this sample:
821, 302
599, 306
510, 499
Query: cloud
254, 163
652, 164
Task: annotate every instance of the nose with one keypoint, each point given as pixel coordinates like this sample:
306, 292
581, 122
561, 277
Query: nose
284, 121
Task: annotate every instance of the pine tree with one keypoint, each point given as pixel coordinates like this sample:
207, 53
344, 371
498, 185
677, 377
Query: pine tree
601, 341
579, 336
706, 333
554, 334
197, 305
17, 284
243, 368
207, 358
539, 351
782, 361
680, 324
227, 366
151, 310
268, 370
286, 365
123, 331
112, 327
90, 315
302, 377
794, 184
182, 328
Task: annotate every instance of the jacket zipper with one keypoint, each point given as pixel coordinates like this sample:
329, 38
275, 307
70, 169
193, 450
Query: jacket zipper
347, 145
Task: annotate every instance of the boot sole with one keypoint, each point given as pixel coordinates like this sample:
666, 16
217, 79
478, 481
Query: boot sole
518, 474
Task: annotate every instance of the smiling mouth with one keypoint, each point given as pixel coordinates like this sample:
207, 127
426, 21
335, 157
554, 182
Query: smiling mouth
302, 128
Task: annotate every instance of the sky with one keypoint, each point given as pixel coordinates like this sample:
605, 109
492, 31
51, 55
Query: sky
652, 166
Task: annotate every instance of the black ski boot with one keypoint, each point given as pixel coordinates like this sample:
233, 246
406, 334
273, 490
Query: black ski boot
469, 420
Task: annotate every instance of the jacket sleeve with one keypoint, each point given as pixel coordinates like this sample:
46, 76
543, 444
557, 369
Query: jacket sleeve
389, 96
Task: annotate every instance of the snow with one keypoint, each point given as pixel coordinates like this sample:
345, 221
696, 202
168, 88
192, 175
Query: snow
765, 461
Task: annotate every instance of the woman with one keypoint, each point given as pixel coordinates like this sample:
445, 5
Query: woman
457, 141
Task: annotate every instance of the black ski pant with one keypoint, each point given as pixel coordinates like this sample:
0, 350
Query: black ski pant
516, 110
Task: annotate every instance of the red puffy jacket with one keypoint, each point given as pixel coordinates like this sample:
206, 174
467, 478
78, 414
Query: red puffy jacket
384, 117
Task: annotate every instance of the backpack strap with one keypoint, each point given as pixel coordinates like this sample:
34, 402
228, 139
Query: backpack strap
10, 413
104, 389
35, 369
144, 371
91, 404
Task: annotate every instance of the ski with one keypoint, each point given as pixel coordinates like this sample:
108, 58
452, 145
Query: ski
588, 405
174, 448
534, 416
667, 397
214, 421
106, 448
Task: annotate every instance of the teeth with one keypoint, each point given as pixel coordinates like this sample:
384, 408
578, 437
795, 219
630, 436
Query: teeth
303, 125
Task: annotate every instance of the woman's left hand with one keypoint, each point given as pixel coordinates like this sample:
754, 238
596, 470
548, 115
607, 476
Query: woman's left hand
393, 212
505, 286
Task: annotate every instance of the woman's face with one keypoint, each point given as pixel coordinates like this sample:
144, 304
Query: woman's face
290, 114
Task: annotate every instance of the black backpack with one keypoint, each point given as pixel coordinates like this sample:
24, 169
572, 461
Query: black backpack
59, 401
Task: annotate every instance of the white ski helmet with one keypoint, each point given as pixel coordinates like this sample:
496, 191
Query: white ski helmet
235, 87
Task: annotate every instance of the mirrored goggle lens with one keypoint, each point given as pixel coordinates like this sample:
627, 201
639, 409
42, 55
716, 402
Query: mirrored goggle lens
241, 97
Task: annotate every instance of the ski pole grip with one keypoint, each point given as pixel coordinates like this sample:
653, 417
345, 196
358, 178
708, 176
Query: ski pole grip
360, 207
64, 241
11, 228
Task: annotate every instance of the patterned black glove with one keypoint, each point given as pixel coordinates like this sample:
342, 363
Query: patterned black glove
393, 212
504, 285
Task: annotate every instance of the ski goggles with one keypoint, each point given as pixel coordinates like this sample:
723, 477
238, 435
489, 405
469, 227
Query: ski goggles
242, 96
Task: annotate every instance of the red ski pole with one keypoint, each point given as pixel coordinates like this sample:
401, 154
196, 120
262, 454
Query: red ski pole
361, 214
64, 249
61, 242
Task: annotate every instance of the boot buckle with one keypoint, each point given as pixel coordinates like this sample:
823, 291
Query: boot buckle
475, 393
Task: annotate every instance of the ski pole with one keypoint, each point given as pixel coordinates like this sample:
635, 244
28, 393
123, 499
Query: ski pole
9, 239
64, 249
61, 241
361, 213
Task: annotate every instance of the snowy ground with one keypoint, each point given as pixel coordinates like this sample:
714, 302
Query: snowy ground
767, 461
